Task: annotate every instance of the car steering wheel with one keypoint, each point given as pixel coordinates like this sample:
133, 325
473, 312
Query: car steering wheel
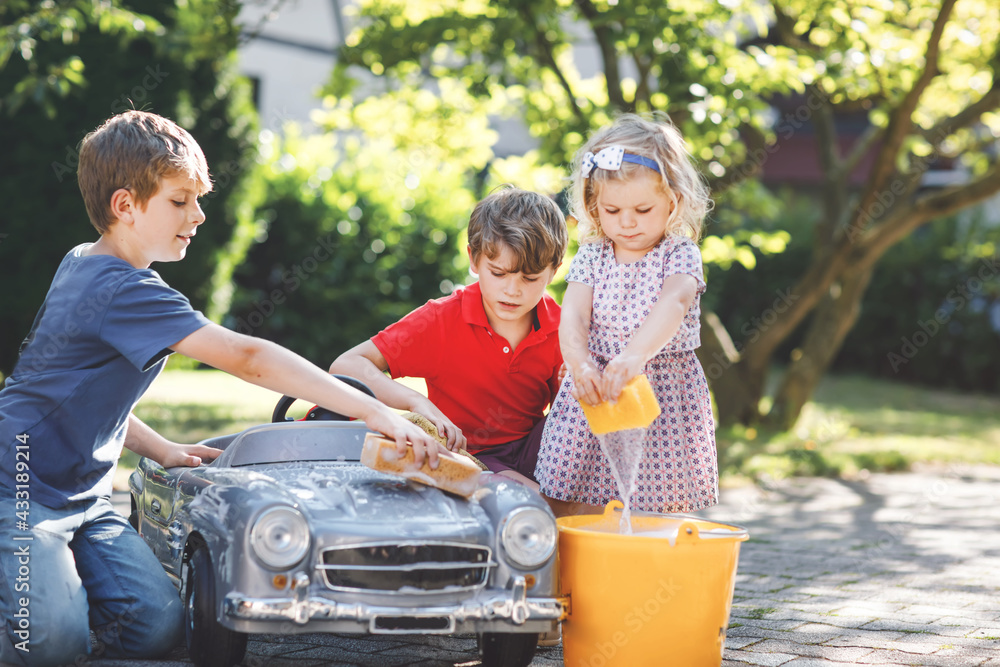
318, 413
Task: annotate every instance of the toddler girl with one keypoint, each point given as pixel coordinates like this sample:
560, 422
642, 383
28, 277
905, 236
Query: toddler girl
632, 306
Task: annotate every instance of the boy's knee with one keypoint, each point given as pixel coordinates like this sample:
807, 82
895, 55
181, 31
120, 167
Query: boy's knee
152, 628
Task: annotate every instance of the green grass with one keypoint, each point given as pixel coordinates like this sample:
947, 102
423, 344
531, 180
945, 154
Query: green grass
853, 425
856, 424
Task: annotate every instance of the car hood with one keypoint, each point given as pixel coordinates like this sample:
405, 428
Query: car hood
352, 492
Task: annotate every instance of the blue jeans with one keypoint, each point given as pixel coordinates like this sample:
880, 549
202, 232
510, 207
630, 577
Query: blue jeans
84, 568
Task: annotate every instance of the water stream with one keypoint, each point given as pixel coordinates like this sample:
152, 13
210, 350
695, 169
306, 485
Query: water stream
624, 451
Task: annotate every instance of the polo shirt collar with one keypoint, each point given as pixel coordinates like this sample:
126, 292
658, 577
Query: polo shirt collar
473, 312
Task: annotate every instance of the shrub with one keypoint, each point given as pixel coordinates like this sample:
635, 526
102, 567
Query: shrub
351, 237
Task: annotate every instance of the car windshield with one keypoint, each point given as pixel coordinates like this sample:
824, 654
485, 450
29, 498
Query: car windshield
295, 441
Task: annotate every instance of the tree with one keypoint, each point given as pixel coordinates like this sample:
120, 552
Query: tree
924, 72
67, 66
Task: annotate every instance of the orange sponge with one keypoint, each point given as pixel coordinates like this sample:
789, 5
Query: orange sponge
636, 407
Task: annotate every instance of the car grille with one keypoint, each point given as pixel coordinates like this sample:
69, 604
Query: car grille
407, 567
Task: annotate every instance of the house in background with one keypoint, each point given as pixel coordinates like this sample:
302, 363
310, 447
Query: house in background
288, 53
291, 45
290, 49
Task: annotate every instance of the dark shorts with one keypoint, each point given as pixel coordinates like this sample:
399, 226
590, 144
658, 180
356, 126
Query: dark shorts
520, 455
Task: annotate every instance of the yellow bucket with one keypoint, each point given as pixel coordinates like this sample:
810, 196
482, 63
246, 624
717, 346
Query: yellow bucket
658, 597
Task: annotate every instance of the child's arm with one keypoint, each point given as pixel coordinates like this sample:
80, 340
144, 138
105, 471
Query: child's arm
367, 363
271, 366
144, 441
574, 330
664, 319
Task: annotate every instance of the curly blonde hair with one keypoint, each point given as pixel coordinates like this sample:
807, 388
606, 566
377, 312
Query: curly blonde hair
654, 137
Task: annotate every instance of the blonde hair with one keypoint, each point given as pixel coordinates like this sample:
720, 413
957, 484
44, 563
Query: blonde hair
653, 137
528, 223
134, 150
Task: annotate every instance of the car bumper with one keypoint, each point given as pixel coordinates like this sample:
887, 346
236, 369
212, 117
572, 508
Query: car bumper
511, 609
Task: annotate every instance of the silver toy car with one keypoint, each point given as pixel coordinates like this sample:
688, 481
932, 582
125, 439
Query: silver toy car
286, 532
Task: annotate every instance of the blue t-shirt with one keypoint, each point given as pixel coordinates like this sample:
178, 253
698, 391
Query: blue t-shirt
98, 342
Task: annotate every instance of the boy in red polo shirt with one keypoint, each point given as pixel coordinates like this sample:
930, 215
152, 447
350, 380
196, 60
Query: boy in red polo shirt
489, 352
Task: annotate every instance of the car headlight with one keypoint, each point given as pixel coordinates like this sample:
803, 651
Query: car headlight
529, 536
280, 537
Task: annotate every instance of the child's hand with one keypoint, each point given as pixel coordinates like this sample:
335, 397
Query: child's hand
447, 428
405, 434
620, 370
190, 456
587, 383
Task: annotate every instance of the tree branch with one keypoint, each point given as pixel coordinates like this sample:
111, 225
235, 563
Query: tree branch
756, 156
643, 65
606, 41
826, 132
861, 146
932, 206
545, 49
798, 303
902, 118
784, 27
835, 192
967, 116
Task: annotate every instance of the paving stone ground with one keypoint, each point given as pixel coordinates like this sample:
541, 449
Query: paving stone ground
895, 569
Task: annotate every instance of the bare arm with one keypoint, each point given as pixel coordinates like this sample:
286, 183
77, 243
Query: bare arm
144, 441
574, 330
664, 319
366, 363
271, 366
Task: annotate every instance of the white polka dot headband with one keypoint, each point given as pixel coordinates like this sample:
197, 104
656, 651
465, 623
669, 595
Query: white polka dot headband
611, 158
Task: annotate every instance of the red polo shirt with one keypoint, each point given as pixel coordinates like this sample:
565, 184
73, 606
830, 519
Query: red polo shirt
494, 394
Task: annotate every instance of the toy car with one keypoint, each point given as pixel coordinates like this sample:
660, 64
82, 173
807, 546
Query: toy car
286, 532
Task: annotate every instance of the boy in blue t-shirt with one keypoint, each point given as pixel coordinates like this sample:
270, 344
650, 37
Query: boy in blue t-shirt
69, 562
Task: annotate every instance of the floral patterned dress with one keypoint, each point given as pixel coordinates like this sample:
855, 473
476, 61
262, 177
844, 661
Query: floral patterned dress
678, 471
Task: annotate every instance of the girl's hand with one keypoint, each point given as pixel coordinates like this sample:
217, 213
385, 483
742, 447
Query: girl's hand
447, 428
586, 383
620, 370
405, 433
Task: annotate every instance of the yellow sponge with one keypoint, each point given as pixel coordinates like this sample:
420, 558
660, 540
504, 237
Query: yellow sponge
454, 473
636, 407
430, 429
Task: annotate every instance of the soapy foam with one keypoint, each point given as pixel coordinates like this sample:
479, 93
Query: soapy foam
667, 530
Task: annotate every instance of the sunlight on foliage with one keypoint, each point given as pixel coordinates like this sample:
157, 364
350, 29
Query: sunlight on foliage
527, 172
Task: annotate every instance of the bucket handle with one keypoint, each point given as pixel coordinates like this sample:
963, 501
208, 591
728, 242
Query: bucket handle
688, 532
613, 506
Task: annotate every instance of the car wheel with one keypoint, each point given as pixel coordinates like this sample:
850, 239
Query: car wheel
209, 643
506, 649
